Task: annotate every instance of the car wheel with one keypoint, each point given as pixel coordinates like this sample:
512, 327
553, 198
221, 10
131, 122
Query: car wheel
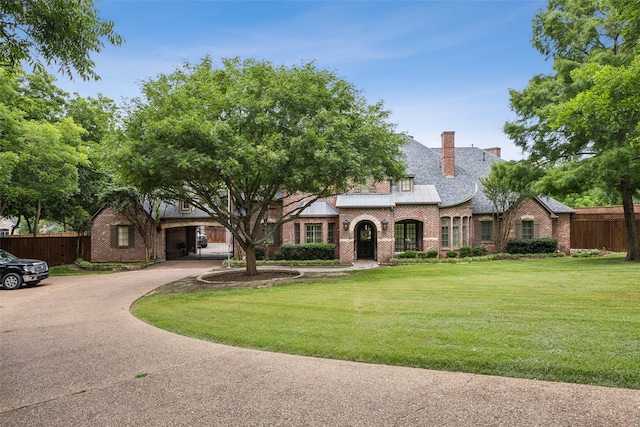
12, 281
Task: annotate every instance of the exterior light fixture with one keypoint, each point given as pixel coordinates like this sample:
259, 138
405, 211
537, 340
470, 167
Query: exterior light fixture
385, 224
345, 225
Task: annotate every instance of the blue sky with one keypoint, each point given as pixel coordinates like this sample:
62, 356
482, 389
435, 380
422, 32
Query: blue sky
437, 65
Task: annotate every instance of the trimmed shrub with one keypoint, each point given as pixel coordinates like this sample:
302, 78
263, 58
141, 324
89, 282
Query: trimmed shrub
260, 253
306, 252
433, 253
452, 254
466, 251
532, 246
479, 251
418, 254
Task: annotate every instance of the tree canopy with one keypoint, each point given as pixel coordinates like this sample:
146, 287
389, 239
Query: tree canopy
585, 116
63, 33
254, 131
51, 151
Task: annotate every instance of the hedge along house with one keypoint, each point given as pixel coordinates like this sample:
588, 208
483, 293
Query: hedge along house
440, 205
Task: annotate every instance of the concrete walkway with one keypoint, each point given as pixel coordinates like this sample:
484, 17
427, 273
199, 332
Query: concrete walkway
71, 354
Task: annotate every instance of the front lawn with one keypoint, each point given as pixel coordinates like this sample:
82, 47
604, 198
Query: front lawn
559, 319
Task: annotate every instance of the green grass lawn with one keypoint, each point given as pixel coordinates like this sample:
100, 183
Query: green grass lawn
559, 319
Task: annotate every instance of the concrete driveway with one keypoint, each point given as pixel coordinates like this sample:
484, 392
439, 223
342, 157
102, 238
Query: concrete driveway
71, 354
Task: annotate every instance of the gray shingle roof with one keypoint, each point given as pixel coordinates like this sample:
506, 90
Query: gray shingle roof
172, 210
471, 164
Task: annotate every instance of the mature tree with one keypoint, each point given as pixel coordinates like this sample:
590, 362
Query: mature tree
48, 163
63, 33
608, 116
585, 38
98, 117
254, 131
50, 167
507, 187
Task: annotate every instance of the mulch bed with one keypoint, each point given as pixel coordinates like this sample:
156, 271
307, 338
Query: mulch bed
222, 281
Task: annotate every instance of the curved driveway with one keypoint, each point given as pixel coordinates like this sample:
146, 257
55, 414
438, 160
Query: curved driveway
71, 354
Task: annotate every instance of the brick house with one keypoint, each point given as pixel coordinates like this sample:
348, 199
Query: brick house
440, 205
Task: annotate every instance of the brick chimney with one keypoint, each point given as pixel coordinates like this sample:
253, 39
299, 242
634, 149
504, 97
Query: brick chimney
448, 162
494, 150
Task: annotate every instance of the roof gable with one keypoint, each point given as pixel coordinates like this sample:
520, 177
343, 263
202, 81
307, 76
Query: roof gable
471, 164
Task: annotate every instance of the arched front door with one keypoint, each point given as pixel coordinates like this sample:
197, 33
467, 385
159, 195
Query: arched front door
365, 240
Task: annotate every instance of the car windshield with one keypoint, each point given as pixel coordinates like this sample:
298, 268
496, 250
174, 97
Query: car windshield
6, 256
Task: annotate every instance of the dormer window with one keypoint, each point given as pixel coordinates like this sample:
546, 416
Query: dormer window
185, 206
406, 185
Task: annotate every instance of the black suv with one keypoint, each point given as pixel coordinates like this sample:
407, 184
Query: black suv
15, 271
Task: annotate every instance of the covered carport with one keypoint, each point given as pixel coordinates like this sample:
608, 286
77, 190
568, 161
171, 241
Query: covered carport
190, 233
197, 241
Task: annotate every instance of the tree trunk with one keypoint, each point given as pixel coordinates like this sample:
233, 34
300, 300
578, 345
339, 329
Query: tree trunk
252, 268
633, 246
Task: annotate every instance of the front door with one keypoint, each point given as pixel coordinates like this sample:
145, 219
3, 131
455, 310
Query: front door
365, 241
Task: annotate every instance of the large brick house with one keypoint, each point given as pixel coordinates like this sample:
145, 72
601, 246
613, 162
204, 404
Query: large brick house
439, 205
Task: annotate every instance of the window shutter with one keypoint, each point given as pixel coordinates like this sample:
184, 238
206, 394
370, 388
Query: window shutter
277, 236
518, 229
113, 236
536, 229
132, 233
477, 232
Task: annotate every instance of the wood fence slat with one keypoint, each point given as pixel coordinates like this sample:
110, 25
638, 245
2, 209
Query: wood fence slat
56, 250
600, 228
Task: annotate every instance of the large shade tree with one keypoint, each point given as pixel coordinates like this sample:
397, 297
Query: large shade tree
234, 138
582, 117
52, 156
62, 33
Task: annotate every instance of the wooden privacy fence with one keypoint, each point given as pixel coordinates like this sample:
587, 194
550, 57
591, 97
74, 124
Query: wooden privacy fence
56, 250
600, 228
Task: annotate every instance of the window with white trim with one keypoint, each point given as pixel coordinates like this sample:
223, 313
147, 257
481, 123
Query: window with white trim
314, 233
445, 223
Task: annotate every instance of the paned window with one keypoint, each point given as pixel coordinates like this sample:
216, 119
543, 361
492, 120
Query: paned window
269, 231
405, 184
122, 236
314, 233
406, 236
465, 221
444, 232
527, 229
455, 231
485, 231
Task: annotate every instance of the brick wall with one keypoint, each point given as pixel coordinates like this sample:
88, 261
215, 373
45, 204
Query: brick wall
547, 226
531, 210
101, 249
384, 238
430, 218
562, 232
